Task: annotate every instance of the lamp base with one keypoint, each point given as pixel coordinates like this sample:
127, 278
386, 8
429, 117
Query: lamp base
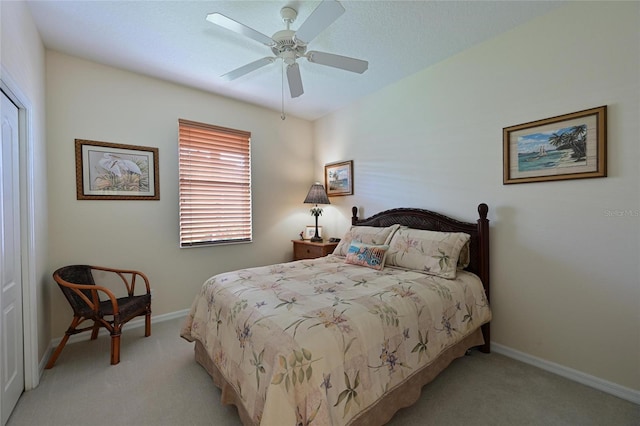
316, 211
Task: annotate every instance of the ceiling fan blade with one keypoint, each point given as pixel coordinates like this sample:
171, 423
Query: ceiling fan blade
246, 69
294, 79
323, 16
237, 27
343, 62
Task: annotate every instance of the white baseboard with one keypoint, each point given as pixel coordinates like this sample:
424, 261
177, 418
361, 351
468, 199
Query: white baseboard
134, 323
611, 388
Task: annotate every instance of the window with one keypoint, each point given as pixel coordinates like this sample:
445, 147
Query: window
214, 170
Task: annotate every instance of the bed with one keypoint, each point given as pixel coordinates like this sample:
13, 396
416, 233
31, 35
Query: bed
350, 338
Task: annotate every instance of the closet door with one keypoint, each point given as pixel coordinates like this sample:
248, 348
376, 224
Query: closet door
11, 327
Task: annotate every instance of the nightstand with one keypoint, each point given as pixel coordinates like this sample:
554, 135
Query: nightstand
304, 249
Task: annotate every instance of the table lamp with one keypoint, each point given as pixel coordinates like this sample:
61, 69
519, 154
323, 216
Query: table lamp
317, 195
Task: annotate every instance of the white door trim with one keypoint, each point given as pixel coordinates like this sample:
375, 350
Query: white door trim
27, 231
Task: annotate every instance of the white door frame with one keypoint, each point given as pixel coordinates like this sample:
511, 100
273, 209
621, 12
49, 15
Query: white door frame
27, 228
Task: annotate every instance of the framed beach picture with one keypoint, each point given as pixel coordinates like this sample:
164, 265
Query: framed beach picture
570, 146
338, 178
110, 171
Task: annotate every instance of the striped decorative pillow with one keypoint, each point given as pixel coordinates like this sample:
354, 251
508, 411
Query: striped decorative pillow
369, 255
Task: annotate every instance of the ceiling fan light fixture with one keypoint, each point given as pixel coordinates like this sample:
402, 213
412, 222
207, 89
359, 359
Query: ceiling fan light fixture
288, 57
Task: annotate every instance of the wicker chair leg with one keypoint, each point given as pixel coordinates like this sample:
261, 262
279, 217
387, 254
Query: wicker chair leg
96, 329
115, 349
56, 354
147, 325
67, 334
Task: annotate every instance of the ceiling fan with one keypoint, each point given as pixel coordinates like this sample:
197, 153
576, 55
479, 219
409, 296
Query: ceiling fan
290, 45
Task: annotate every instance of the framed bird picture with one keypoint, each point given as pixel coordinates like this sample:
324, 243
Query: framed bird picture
110, 171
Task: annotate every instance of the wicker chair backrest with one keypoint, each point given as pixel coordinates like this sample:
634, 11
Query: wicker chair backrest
76, 274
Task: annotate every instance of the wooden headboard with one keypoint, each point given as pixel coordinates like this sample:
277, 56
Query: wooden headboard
432, 221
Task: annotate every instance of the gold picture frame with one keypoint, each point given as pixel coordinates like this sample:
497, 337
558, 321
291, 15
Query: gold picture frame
338, 178
570, 146
111, 171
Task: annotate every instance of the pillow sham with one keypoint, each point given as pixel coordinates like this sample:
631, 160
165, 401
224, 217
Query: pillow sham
369, 255
366, 235
465, 256
436, 253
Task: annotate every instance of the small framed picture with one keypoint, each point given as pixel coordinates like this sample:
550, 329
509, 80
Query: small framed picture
338, 178
310, 231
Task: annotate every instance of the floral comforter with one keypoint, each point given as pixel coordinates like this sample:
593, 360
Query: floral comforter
315, 342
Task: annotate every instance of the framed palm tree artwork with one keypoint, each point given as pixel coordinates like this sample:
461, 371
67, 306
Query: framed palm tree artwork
338, 178
110, 171
570, 146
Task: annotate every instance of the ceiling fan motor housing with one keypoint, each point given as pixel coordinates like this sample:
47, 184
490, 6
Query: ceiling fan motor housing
286, 48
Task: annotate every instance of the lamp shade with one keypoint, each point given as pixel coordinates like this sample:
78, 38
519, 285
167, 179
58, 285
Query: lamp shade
317, 195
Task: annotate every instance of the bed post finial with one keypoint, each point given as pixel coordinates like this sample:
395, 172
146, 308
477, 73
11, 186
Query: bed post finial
483, 210
354, 215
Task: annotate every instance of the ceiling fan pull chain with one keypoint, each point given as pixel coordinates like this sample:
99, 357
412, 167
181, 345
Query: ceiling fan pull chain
282, 115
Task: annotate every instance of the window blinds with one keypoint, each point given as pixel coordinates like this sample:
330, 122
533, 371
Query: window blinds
214, 184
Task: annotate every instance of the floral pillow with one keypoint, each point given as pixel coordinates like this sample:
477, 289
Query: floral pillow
365, 234
369, 255
436, 253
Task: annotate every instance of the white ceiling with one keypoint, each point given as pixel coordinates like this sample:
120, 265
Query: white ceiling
172, 40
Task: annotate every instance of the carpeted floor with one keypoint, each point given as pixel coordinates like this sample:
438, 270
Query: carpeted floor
158, 383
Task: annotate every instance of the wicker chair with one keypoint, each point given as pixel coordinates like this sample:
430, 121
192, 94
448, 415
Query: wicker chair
78, 285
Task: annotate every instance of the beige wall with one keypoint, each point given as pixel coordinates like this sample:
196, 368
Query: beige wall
22, 56
565, 274
86, 100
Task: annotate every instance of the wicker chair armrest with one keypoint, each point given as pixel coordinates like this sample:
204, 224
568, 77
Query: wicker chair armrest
129, 283
94, 304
